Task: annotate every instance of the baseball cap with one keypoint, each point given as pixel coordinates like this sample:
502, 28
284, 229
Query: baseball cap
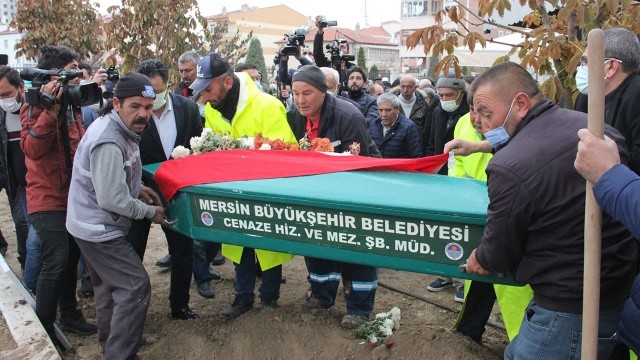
209, 67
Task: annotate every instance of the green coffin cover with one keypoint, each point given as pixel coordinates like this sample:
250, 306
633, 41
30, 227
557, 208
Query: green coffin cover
401, 220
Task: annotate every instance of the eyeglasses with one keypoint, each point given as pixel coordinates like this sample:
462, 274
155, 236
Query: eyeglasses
584, 61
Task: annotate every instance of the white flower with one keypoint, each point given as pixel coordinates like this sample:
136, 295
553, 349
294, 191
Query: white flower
388, 323
381, 315
247, 142
265, 147
372, 339
387, 331
180, 152
195, 142
206, 132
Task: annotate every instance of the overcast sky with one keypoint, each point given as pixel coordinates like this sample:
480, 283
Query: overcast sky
346, 12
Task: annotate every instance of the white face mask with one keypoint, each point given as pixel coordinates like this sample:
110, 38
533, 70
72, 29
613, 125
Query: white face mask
449, 105
582, 79
159, 101
10, 105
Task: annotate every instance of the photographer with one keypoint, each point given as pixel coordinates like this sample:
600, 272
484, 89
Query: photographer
339, 49
49, 139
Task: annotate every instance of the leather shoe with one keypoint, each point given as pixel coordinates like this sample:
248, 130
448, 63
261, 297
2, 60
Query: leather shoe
215, 274
219, 259
184, 314
205, 290
165, 262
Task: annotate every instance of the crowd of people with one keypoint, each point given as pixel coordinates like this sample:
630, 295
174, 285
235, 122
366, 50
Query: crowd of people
74, 181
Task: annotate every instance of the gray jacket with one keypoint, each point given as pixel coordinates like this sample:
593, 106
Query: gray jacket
105, 185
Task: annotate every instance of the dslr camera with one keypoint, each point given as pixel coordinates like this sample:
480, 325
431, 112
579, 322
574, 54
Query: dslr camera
75, 95
294, 41
112, 74
337, 57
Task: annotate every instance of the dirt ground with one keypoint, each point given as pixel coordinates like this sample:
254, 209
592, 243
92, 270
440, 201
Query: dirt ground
290, 332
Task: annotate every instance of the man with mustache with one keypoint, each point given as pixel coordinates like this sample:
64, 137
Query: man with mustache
104, 197
356, 81
174, 121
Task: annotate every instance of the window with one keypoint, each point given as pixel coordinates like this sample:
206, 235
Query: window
414, 9
436, 6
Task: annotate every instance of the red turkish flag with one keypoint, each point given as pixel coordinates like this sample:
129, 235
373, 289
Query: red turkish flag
238, 165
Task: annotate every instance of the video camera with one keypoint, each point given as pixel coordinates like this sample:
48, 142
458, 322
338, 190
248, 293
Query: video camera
323, 23
75, 95
337, 57
294, 41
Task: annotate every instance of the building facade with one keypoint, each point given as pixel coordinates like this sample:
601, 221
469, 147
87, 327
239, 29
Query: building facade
268, 24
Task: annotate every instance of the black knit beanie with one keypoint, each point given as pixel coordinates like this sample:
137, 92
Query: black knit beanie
134, 84
312, 75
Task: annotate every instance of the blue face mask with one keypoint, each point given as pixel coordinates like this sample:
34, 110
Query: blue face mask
201, 108
499, 136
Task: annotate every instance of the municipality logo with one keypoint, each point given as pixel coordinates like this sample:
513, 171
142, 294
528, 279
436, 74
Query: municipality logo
206, 218
454, 251
149, 92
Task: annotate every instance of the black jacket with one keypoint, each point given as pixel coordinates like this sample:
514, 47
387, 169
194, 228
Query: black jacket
341, 121
14, 170
535, 223
442, 126
419, 110
622, 112
182, 88
367, 104
188, 125
403, 139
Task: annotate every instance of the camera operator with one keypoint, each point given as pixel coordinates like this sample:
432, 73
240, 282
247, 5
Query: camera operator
49, 139
284, 75
318, 49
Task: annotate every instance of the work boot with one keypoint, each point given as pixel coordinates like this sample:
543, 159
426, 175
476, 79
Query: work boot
236, 309
86, 288
352, 321
205, 290
268, 305
165, 262
76, 324
218, 259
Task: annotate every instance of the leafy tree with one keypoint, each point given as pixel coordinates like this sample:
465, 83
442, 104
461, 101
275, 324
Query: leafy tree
161, 29
551, 49
362, 62
233, 48
256, 57
374, 72
73, 23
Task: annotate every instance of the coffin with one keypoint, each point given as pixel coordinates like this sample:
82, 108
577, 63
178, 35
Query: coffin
408, 221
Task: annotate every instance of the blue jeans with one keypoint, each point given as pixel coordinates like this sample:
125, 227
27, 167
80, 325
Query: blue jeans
203, 254
34, 260
246, 279
546, 334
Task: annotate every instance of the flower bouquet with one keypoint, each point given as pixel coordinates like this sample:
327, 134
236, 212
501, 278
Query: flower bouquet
209, 141
379, 330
